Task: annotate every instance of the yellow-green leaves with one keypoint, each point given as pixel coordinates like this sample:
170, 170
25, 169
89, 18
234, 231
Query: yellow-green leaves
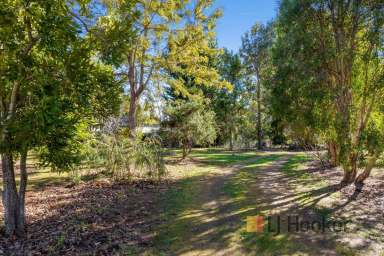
170, 36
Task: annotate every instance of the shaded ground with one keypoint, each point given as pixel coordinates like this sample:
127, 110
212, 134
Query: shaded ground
96, 218
201, 209
365, 210
277, 184
214, 222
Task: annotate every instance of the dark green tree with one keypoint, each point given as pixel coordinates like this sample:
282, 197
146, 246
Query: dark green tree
228, 104
189, 123
255, 52
330, 76
49, 83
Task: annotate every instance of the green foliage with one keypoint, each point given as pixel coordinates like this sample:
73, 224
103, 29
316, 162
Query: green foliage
328, 78
123, 158
148, 157
255, 50
230, 105
299, 95
113, 33
50, 81
256, 55
168, 37
189, 123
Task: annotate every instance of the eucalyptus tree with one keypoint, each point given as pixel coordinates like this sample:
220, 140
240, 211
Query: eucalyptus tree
49, 83
170, 35
337, 50
255, 52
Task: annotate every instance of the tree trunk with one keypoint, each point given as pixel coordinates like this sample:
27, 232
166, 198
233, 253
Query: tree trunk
231, 141
23, 186
333, 154
13, 201
185, 151
359, 182
259, 132
132, 115
350, 171
10, 198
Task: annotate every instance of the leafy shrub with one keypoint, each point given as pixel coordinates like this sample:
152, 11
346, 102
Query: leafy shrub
122, 157
189, 123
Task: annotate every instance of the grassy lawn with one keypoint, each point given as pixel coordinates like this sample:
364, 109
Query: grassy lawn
206, 200
42, 177
221, 156
182, 200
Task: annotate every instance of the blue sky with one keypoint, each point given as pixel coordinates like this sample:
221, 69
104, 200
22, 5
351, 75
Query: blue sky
239, 16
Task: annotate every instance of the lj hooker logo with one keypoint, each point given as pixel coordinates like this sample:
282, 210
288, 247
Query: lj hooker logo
255, 224
293, 223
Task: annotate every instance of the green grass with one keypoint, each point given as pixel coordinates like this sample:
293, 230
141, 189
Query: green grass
344, 251
42, 178
213, 156
221, 157
266, 243
181, 201
292, 167
238, 186
176, 203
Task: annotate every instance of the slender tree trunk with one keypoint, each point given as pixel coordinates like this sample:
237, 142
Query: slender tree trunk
359, 181
23, 186
187, 148
9, 197
231, 141
333, 154
259, 132
185, 151
133, 96
132, 114
138, 83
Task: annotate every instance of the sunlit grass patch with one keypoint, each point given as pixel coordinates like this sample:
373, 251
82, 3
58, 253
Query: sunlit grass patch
266, 243
345, 251
178, 203
221, 156
294, 167
263, 161
238, 186
47, 178
44, 177
213, 156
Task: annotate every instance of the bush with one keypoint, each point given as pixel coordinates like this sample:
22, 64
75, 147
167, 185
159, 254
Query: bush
189, 123
121, 157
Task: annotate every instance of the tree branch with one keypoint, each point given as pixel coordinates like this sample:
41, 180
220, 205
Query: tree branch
85, 25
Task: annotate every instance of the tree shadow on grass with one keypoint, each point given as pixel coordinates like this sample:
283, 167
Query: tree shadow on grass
267, 186
202, 214
211, 225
